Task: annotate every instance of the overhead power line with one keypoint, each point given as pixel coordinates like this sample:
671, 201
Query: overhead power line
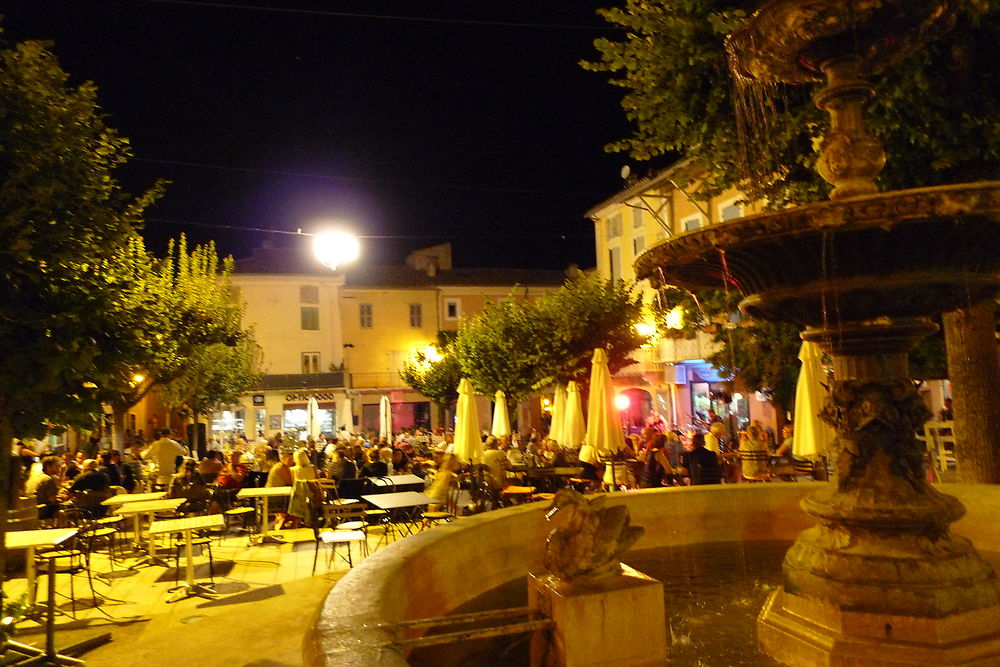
386, 17
299, 232
358, 179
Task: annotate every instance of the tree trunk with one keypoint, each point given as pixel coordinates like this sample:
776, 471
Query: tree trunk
120, 417
974, 371
7, 485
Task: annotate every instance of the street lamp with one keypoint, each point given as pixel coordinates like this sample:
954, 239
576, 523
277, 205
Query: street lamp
335, 247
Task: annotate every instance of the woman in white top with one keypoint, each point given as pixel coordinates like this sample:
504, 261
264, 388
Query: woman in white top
303, 470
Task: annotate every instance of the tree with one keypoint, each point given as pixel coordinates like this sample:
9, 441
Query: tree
65, 222
504, 348
435, 372
177, 306
587, 313
518, 348
215, 374
674, 69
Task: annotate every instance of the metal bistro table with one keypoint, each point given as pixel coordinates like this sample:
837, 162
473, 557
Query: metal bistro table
30, 540
265, 494
396, 483
126, 498
406, 502
148, 507
187, 525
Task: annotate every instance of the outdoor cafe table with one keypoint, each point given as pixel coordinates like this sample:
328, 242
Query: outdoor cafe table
149, 507
406, 502
32, 539
125, 498
265, 494
187, 525
397, 483
548, 475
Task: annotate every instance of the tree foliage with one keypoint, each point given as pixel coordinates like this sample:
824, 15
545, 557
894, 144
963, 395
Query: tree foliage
65, 225
434, 374
177, 306
216, 374
681, 100
520, 347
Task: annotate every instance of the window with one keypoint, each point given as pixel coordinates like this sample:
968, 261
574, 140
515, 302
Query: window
310, 362
416, 316
309, 294
615, 258
638, 245
452, 309
691, 223
365, 315
636, 218
614, 226
730, 212
309, 318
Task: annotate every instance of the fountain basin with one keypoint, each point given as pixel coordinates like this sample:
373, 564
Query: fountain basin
901, 254
434, 572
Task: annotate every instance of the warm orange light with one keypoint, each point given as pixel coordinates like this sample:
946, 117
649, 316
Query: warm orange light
622, 402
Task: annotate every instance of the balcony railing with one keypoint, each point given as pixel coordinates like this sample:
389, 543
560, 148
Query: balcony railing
288, 381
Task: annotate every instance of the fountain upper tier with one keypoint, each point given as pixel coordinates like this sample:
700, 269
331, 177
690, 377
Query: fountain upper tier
907, 253
789, 40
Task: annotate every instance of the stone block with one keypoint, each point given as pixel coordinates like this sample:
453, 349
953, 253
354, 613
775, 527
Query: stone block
617, 621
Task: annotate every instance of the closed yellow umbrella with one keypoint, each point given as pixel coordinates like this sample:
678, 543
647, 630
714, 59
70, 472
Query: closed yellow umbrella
813, 436
468, 443
574, 430
604, 427
558, 414
501, 419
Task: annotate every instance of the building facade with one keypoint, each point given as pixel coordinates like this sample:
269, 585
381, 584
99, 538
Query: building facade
341, 336
671, 376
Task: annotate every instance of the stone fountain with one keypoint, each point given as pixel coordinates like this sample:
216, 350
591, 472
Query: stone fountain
880, 580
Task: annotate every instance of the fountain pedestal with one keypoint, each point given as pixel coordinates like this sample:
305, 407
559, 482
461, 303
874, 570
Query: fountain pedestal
880, 579
617, 620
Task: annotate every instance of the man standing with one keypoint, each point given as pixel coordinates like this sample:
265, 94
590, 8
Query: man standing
163, 453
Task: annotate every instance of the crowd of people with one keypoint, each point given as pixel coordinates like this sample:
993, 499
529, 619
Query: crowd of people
654, 458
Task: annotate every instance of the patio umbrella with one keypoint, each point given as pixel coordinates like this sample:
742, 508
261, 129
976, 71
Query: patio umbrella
574, 429
501, 419
385, 418
558, 414
813, 436
346, 420
604, 426
468, 444
312, 411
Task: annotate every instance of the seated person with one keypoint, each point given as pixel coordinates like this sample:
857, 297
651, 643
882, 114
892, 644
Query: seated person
210, 466
700, 465
303, 470
375, 466
45, 487
233, 474
400, 462
90, 487
339, 466
280, 473
187, 483
495, 461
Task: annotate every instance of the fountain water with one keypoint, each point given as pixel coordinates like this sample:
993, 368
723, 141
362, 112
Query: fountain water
880, 579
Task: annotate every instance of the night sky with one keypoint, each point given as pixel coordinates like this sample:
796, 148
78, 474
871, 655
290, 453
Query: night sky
432, 130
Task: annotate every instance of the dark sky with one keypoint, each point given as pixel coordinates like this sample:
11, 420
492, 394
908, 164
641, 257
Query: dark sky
431, 129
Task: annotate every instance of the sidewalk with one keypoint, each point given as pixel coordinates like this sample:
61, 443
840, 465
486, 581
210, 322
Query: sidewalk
266, 600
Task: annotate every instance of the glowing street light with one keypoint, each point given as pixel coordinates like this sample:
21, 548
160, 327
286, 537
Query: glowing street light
622, 402
335, 247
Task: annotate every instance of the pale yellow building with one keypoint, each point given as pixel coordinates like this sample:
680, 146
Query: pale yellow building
342, 336
671, 376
